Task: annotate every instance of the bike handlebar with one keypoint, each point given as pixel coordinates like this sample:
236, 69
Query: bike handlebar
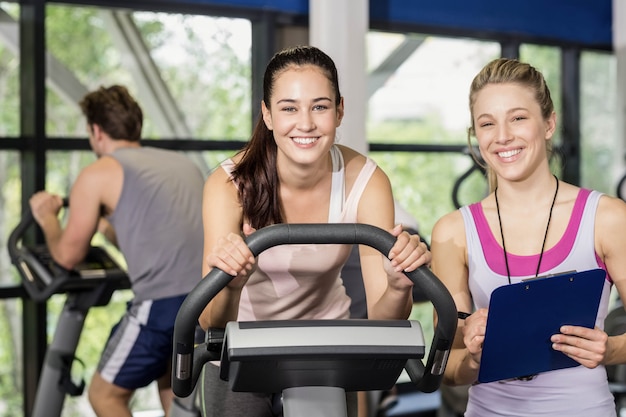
428, 377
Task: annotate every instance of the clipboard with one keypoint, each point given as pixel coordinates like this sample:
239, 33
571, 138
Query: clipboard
523, 316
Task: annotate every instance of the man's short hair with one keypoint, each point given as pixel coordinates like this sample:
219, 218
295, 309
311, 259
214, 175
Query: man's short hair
115, 111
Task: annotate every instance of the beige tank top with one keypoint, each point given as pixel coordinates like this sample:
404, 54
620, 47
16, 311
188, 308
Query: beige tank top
303, 281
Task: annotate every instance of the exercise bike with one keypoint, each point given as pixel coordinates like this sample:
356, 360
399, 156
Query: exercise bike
313, 363
90, 284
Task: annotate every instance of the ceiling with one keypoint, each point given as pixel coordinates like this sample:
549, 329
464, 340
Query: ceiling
578, 23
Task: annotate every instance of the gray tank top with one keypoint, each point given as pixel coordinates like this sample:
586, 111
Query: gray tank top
158, 221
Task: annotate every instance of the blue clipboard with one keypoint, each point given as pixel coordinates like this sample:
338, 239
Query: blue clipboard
523, 316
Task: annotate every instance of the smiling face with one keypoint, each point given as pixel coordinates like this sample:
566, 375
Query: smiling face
302, 114
512, 134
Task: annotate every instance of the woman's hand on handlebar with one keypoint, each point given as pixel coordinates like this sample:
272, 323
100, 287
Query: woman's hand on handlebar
406, 255
232, 255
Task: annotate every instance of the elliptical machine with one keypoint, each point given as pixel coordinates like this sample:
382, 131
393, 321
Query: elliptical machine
90, 284
314, 362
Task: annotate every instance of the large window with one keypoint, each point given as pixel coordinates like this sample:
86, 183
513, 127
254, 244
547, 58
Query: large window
424, 100
9, 71
602, 156
191, 74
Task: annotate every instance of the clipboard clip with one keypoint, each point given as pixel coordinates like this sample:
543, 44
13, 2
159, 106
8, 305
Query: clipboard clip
573, 271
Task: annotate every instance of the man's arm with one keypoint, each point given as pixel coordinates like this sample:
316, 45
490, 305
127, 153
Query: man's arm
68, 246
107, 230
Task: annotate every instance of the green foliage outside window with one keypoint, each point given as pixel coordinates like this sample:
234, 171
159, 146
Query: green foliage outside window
210, 82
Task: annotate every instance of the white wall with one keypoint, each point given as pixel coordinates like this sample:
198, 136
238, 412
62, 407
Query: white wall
339, 28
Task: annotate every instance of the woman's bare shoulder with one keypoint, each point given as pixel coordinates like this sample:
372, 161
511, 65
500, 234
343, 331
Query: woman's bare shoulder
611, 213
449, 227
351, 156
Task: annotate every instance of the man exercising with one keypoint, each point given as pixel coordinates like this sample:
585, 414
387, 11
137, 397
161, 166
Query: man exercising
148, 202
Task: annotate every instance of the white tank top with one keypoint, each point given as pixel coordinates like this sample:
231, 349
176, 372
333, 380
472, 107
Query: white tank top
303, 281
571, 392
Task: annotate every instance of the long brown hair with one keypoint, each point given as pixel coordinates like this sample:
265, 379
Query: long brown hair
256, 173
